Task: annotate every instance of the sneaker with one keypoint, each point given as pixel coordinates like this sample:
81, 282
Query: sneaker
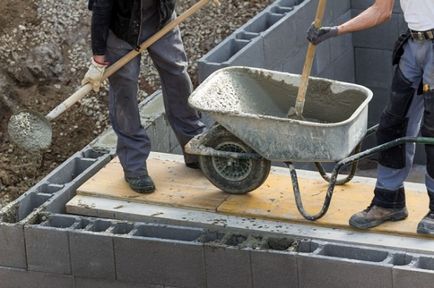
141, 184
426, 225
376, 215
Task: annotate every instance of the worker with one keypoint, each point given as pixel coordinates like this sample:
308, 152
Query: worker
119, 26
409, 109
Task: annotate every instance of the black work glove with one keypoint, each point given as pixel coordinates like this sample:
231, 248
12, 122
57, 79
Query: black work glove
318, 35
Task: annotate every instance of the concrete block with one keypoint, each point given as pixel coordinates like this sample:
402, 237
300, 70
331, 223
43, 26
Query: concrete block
168, 232
344, 67
151, 261
275, 269
342, 44
294, 64
48, 249
418, 272
97, 283
363, 4
206, 68
70, 170
92, 255
337, 8
380, 37
373, 67
16, 278
344, 266
12, 247
251, 55
227, 267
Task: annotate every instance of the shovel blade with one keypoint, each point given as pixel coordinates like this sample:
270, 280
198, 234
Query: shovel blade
30, 131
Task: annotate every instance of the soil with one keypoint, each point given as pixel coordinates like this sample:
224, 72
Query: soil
72, 131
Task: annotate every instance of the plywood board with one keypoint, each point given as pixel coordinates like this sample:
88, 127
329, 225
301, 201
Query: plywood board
179, 186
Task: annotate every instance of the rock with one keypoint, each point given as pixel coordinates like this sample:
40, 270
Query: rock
45, 62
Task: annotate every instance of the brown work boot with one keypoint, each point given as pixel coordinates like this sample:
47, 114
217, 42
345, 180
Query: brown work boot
426, 225
375, 215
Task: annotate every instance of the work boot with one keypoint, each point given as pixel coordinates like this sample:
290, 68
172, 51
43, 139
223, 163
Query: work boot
141, 184
426, 225
375, 215
193, 165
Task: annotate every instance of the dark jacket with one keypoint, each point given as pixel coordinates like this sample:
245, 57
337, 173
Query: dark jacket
123, 17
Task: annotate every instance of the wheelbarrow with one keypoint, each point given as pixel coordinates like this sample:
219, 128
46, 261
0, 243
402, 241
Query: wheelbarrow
249, 107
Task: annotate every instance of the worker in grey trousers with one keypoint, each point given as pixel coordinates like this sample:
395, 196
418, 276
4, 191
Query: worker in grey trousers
410, 109
126, 24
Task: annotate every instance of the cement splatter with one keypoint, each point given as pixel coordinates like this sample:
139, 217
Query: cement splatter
30, 131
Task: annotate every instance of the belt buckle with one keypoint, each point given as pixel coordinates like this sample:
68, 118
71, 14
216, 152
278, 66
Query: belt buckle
420, 36
430, 34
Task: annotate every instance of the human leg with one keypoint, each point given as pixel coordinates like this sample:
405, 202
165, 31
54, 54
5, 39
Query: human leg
133, 145
426, 225
170, 60
400, 118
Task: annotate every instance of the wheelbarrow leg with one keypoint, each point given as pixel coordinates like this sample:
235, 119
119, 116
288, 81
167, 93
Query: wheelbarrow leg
349, 177
297, 194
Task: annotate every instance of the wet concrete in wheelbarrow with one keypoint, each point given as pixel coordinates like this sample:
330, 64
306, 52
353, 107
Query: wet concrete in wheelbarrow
259, 94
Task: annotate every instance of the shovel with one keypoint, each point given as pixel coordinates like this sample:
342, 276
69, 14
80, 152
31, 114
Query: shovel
297, 112
32, 131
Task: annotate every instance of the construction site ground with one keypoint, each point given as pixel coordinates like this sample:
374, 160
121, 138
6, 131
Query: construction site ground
64, 25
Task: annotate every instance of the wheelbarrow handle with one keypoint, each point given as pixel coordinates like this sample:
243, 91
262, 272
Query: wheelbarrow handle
85, 89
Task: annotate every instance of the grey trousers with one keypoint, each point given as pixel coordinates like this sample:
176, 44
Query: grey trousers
417, 64
168, 55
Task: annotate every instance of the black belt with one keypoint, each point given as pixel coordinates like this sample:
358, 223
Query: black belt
422, 35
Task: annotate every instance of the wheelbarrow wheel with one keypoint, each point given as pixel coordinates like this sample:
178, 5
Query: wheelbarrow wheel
235, 176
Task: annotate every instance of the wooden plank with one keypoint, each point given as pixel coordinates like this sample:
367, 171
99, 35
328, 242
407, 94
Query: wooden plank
179, 186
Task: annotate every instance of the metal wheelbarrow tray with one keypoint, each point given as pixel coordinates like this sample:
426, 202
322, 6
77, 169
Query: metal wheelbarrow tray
253, 104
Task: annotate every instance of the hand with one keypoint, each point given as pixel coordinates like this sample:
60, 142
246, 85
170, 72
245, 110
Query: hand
318, 35
95, 73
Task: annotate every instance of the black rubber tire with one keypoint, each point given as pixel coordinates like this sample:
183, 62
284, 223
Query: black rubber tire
242, 175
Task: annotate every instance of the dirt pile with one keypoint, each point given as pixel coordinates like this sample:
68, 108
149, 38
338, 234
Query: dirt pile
44, 53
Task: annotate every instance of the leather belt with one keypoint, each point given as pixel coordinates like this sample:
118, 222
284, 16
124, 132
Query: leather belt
422, 35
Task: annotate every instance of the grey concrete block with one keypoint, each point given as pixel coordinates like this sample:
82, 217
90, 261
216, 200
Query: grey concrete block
151, 261
92, 255
381, 37
344, 266
363, 4
337, 8
294, 64
275, 269
373, 67
343, 67
12, 247
47, 249
251, 55
97, 283
406, 276
227, 267
16, 278
342, 44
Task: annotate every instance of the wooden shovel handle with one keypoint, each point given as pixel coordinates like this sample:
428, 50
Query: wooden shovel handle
85, 89
307, 68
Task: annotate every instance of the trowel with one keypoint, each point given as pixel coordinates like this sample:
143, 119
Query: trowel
297, 112
32, 131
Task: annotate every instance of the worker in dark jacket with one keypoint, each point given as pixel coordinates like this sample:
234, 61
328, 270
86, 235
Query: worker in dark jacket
119, 26
405, 112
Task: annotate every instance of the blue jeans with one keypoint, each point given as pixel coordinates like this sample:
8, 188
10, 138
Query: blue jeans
168, 55
416, 64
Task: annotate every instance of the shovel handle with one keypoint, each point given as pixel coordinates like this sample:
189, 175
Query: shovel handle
307, 68
85, 89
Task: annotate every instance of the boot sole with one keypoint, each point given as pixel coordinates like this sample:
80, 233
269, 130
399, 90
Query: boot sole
394, 217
